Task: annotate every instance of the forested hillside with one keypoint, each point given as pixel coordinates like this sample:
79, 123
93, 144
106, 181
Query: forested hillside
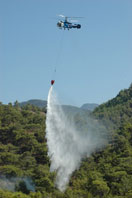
118, 110
24, 163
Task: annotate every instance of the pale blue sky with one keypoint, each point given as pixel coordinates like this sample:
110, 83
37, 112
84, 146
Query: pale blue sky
93, 63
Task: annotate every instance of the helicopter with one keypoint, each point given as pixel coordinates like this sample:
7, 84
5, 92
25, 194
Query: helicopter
67, 24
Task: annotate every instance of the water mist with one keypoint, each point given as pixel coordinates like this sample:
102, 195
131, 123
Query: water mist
11, 183
69, 140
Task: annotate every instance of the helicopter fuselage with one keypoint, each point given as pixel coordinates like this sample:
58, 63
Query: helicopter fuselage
67, 25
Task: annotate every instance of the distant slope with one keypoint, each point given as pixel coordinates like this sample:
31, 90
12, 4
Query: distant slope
73, 112
43, 103
89, 106
69, 108
66, 108
35, 102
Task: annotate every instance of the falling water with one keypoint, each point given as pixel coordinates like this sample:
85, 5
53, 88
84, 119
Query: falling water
67, 141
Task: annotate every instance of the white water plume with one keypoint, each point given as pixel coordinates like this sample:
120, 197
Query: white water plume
69, 139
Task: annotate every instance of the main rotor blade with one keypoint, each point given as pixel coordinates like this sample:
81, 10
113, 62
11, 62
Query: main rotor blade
69, 17
75, 17
61, 15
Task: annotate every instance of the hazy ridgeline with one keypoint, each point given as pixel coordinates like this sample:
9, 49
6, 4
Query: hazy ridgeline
69, 139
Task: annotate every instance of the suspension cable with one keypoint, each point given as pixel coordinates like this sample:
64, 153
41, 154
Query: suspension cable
58, 57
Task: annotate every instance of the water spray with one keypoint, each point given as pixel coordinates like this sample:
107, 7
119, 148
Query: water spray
69, 142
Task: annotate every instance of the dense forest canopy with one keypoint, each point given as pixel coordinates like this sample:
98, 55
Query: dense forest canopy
24, 163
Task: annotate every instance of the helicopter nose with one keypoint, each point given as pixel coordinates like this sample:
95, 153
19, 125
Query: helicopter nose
58, 24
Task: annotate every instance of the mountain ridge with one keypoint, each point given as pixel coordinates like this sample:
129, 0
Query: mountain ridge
43, 103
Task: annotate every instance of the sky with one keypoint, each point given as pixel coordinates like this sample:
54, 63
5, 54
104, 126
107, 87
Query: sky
92, 63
